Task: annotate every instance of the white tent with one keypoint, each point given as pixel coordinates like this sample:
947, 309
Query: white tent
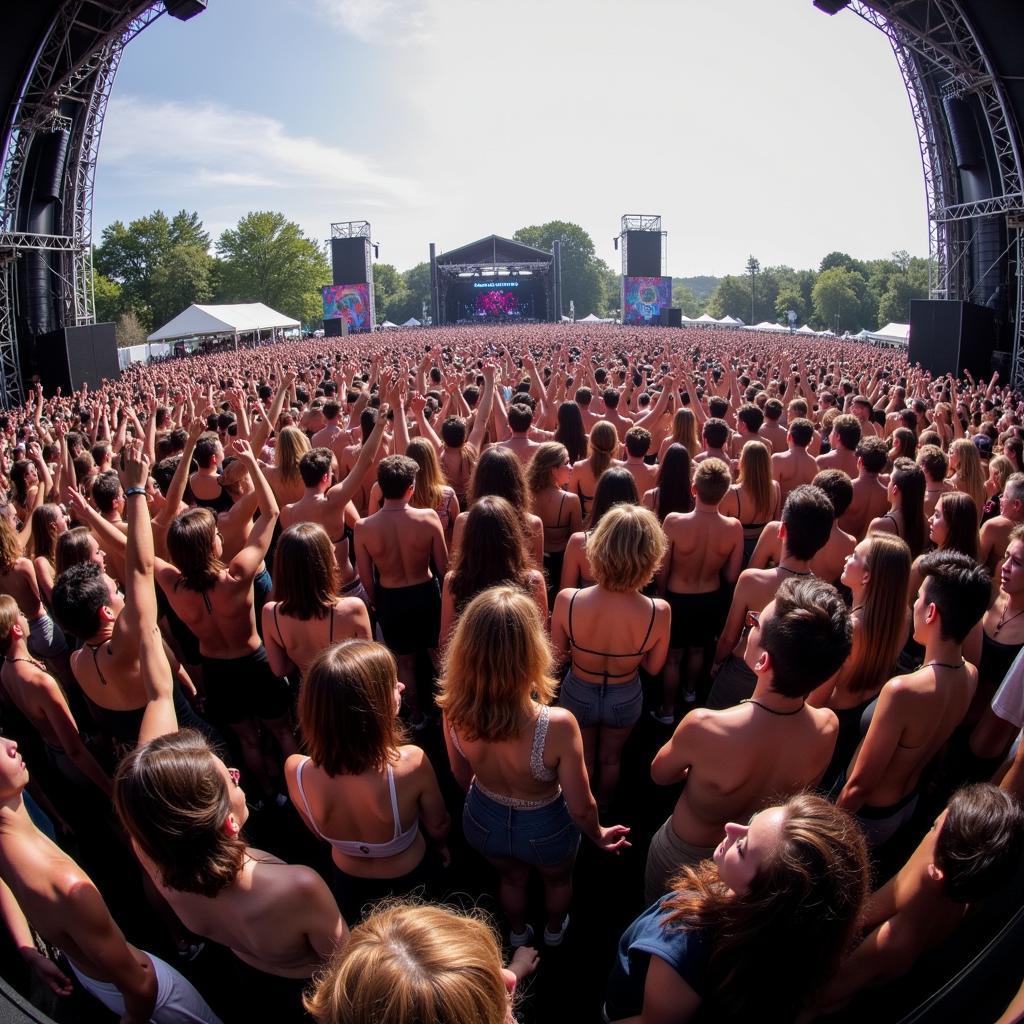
198, 321
730, 321
593, 318
806, 329
891, 334
767, 325
387, 325
566, 319
704, 318
412, 322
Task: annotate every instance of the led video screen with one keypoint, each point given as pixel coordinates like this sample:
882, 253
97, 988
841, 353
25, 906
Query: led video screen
496, 302
349, 302
644, 298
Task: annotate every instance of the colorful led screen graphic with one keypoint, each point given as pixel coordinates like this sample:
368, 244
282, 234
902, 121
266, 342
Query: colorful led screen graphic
349, 302
644, 298
496, 302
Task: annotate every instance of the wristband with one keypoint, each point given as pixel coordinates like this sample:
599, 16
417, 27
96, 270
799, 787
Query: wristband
134, 490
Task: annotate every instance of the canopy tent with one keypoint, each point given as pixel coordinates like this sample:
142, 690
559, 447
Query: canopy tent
891, 334
767, 325
199, 321
412, 322
593, 318
387, 325
730, 321
806, 329
704, 318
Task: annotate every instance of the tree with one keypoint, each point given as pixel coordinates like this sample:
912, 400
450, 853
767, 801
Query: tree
612, 289
582, 278
836, 299
129, 331
187, 229
267, 258
684, 298
388, 289
753, 269
183, 277
107, 296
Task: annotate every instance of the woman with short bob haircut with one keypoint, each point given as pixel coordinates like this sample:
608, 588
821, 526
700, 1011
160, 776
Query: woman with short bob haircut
607, 633
616, 486
361, 788
410, 964
520, 760
753, 933
306, 613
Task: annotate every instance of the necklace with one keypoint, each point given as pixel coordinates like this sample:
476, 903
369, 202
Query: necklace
793, 572
772, 711
944, 664
856, 608
29, 661
1003, 620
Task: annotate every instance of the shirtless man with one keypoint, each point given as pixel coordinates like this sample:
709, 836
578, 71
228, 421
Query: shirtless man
638, 444
715, 435
794, 467
772, 432
584, 398
705, 553
970, 853
395, 548
347, 455
332, 429
748, 426
870, 495
520, 421
917, 713
807, 520
845, 436
932, 460
861, 408
736, 761
610, 397
995, 534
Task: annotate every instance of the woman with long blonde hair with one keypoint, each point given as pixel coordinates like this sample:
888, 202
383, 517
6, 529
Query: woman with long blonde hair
878, 576
48, 523
604, 447
547, 477
520, 760
283, 476
968, 472
684, 432
755, 499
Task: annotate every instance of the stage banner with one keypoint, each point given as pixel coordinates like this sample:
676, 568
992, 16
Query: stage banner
644, 298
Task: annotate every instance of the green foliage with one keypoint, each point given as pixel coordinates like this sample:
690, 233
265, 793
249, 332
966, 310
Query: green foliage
129, 330
107, 296
408, 299
684, 298
836, 299
702, 286
267, 258
583, 277
388, 289
184, 276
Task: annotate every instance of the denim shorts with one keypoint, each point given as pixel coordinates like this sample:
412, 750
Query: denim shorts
617, 704
543, 837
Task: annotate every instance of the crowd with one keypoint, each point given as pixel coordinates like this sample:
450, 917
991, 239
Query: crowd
428, 592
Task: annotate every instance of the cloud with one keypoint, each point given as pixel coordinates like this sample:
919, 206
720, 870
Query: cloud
395, 22
182, 148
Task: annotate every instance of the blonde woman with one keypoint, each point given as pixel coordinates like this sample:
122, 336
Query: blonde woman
607, 633
684, 432
408, 963
968, 472
520, 760
756, 499
547, 476
1000, 469
604, 446
283, 476
878, 576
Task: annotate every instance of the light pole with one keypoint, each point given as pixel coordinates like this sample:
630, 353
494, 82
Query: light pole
753, 269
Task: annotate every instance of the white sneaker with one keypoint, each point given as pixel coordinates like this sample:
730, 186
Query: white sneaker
555, 938
517, 939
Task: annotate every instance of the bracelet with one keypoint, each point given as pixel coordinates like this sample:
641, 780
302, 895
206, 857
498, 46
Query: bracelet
134, 490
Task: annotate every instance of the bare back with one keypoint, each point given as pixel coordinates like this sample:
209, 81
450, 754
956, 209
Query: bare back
703, 544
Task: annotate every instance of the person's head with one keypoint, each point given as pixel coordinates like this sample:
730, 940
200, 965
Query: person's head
907, 487
84, 601
48, 523
684, 430
570, 430
549, 467
412, 964
932, 460
675, 492
773, 411
801, 638
348, 707
749, 418
76, 546
107, 494
289, 448
611, 398
499, 472
583, 397
497, 661
846, 430
615, 485
604, 444
861, 408
429, 490
807, 520
711, 481
904, 444
979, 840
305, 572
801, 432
520, 418
638, 442
1012, 504
953, 596
183, 808
715, 433
872, 454
209, 451
13, 624
493, 551
954, 523
1000, 469
13, 773
625, 548
1011, 572
315, 467
453, 432
396, 476
718, 407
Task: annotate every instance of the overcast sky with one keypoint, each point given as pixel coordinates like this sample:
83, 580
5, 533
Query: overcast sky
750, 126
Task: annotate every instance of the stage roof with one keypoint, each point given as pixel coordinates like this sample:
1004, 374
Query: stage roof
493, 251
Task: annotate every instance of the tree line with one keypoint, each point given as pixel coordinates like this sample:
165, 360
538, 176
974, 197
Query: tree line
148, 271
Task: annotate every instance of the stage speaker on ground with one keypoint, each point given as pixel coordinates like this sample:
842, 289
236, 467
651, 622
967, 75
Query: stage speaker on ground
72, 356
949, 336
336, 328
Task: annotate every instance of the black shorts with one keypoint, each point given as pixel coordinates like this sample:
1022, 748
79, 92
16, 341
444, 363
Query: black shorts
241, 688
697, 619
410, 617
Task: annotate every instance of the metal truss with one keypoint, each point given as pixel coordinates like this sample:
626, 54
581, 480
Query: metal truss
450, 269
351, 229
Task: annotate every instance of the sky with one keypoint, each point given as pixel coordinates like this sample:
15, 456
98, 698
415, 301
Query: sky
758, 127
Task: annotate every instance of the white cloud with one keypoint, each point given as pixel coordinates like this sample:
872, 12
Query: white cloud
395, 22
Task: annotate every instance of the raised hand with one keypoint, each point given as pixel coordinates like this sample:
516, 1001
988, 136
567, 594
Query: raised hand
134, 466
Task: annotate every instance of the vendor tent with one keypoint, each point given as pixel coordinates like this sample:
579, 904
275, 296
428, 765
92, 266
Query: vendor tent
387, 325
198, 321
730, 321
806, 329
704, 318
412, 322
767, 325
593, 318
891, 334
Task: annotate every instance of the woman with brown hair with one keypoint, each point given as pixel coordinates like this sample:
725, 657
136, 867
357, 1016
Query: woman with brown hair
684, 432
756, 932
968, 472
607, 633
307, 614
604, 448
520, 759
493, 553
408, 964
755, 499
361, 781
571, 432
547, 476
48, 524
674, 490
905, 517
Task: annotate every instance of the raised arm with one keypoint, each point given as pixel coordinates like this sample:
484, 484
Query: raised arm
484, 409
247, 562
342, 493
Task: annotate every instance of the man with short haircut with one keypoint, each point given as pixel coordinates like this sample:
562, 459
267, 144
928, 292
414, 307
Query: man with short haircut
995, 533
795, 466
705, 554
870, 496
332, 429
968, 856
737, 761
610, 397
584, 397
715, 435
204, 483
845, 436
638, 444
395, 548
772, 431
520, 420
861, 408
828, 563
917, 713
748, 424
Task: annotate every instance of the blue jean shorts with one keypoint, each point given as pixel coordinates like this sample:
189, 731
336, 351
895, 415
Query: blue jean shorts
617, 704
543, 837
